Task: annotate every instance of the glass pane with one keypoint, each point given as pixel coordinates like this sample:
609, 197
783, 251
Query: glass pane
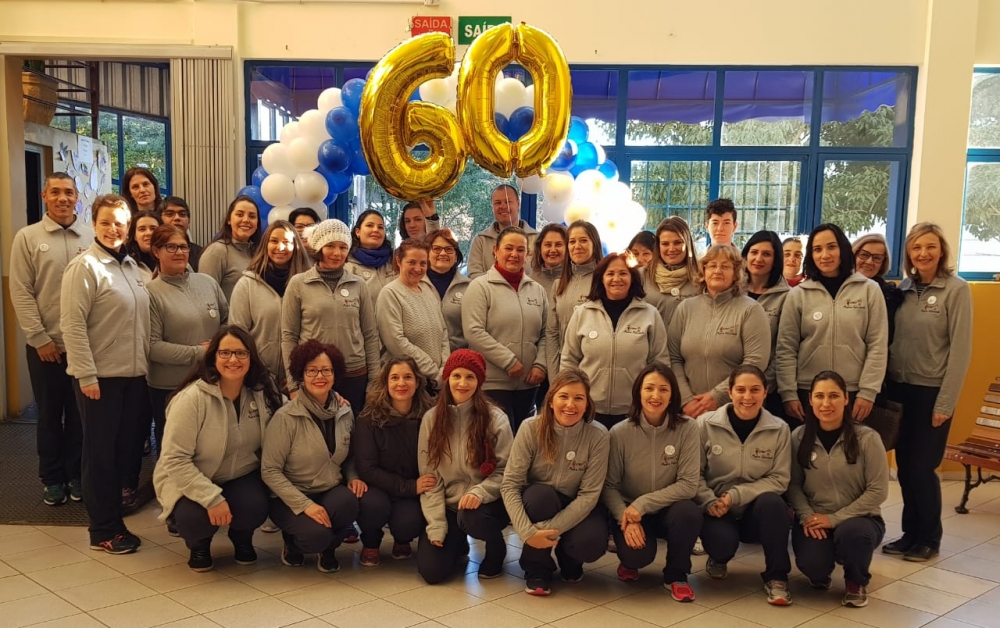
107, 130
857, 194
595, 99
766, 195
671, 188
288, 90
670, 108
980, 251
146, 145
984, 125
865, 109
767, 108
62, 123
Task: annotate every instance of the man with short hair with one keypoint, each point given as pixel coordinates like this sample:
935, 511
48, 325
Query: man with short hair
174, 211
506, 201
38, 258
720, 221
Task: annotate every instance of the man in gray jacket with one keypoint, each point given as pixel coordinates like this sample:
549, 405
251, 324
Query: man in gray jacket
38, 258
506, 203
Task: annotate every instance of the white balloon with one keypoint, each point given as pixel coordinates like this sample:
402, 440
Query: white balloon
601, 155
435, 91
312, 124
531, 185
618, 193
303, 156
275, 160
329, 99
452, 106
320, 208
590, 186
310, 187
529, 96
578, 210
289, 132
558, 187
278, 213
510, 94
552, 212
277, 189
617, 224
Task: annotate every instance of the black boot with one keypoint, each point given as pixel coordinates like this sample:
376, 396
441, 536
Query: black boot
201, 556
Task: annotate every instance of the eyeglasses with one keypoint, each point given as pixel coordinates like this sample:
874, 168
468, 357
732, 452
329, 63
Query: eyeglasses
170, 213
712, 266
864, 256
174, 248
299, 226
239, 354
438, 250
313, 373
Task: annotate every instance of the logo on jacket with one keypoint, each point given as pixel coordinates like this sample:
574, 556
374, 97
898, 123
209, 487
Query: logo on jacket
773, 312
532, 301
354, 302
854, 304
633, 329
577, 465
931, 308
727, 330
762, 454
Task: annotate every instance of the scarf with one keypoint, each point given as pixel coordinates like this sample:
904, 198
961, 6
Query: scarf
277, 278
667, 278
514, 279
323, 416
373, 258
441, 281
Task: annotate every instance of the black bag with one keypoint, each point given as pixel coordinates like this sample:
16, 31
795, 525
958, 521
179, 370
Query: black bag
884, 419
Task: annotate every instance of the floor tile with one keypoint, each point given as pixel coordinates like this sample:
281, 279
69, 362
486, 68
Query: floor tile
312, 622
978, 526
656, 607
890, 566
434, 602
8, 530
146, 559
492, 589
198, 621
951, 582
212, 596
922, 598
977, 613
379, 612
601, 590
35, 609
489, 615
548, 609
7, 570
72, 621
66, 534
26, 541
756, 606
49, 557
985, 550
320, 599
882, 614
17, 587
387, 579
972, 566
803, 594
282, 579
175, 577
944, 622
601, 617
831, 621
265, 613
715, 619
70, 576
992, 596
150, 611
96, 595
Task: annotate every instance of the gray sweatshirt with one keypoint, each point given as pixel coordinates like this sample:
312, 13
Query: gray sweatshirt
561, 311
481, 257
709, 337
225, 263
375, 278
666, 304
296, 461
38, 258
256, 307
184, 311
547, 277
506, 327
933, 343
455, 478
849, 336
411, 324
772, 301
837, 489
451, 308
612, 358
344, 317
577, 471
651, 468
197, 442
104, 317
745, 470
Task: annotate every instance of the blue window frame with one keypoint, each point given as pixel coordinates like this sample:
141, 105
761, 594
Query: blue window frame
979, 250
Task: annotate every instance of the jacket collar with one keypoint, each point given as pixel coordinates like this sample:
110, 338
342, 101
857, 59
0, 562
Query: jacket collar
910, 284
298, 410
312, 276
494, 276
855, 277
720, 418
180, 280
52, 226
105, 258
635, 303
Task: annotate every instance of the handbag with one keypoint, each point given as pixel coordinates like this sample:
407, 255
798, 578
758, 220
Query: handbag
884, 419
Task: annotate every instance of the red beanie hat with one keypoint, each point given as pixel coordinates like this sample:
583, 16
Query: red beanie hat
467, 359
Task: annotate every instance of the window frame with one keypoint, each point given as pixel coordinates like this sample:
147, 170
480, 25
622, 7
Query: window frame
975, 156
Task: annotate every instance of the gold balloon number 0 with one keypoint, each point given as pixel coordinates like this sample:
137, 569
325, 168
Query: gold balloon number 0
391, 124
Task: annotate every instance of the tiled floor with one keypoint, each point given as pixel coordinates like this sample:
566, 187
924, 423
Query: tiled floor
48, 577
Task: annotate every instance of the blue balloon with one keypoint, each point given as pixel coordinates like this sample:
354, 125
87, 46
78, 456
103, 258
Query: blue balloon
415, 95
253, 192
331, 198
503, 124
341, 124
350, 93
586, 156
258, 176
566, 158
609, 170
359, 165
337, 182
333, 156
520, 122
578, 130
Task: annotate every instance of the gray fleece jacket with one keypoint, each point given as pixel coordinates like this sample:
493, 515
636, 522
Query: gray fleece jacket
184, 311
455, 477
104, 317
771, 302
451, 309
837, 489
225, 263
256, 307
666, 304
744, 470
709, 337
612, 358
651, 468
411, 324
578, 471
506, 327
296, 461
375, 278
481, 257
561, 308
38, 258
933, 343
849, 336
196, 442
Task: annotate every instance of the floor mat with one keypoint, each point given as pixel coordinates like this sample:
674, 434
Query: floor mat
21, 491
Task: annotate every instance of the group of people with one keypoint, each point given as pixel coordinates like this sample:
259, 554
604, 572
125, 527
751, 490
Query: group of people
315, 375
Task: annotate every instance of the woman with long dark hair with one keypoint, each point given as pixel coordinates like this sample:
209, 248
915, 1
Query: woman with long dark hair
583, 246
140, 189
449, 285
208, 474
140, 233
653, 476
549, 256
370, 255
672, 275
464, 443
840, 477
768, 287
225, 259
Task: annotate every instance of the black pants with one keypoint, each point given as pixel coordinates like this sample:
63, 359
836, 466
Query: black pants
353, 389
59, 434
130, 479
247, 499
158, 400
486, 523
306, 534
850, 544
678, 524
586, 542
111, 449
376, 509
764, 521
609, 420
518, 405
919, 451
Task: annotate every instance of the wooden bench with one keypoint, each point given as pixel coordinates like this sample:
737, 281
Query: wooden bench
981, 449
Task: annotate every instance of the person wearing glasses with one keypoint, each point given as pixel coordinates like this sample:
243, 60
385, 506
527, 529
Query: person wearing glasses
174, 211
506, 203
449, 285
303, 219
872, 259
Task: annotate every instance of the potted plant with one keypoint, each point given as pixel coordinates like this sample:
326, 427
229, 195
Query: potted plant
40, 93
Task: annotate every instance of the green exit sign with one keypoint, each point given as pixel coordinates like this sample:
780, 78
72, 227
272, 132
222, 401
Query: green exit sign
472, 26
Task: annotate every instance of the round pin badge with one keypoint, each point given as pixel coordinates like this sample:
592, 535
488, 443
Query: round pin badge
817, 316
43, 247
716, 449
669, 450
458, 295
570, 455
213, 313
253, 405
813, 457
930, 301
366, 274
592, 335
675, 292
345, 292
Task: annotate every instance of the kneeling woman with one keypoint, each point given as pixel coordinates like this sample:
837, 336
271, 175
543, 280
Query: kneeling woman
553, 484
653, 475
464, 443
208, 474
747, 465
385, 453
840, 478
306, 461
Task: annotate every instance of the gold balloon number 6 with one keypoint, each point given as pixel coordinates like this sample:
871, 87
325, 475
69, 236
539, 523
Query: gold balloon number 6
391, 124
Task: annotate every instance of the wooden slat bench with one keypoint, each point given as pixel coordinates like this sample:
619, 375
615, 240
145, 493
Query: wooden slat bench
981, 449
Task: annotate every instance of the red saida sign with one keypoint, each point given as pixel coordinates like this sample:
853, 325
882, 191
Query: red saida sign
426, 24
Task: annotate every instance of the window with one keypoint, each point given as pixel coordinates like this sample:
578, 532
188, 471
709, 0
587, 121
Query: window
670, 108
671, 188
766, 194
979, 252
865, 109
767, 108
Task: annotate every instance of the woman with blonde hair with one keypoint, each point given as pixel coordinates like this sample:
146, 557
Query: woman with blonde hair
872, 259
672, 275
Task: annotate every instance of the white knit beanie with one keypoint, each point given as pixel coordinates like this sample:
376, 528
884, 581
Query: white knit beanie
328, 231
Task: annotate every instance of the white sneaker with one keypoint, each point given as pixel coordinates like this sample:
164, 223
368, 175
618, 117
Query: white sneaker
699, 549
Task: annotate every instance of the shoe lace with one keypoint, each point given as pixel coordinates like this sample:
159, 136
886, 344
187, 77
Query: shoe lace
854, 588
777, 586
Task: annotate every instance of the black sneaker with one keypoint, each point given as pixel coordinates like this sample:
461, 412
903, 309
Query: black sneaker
538, 586
292, 557
492, 565
899, 546
54, 495
75, 490
244, 554
571, 573
172, 526
920, 553
131, 537
200, 560
327, 562
119, 544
